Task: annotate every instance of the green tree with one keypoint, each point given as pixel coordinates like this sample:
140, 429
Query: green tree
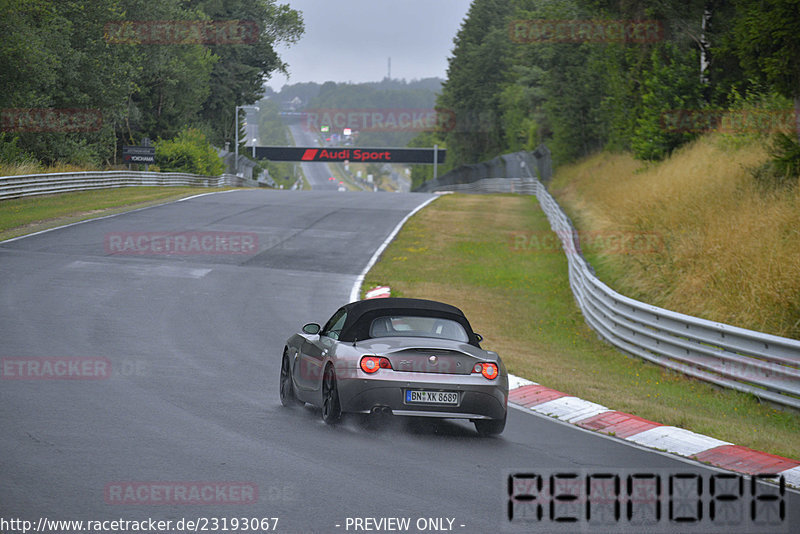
53, 55
422, 173
189, 152
237, 78
520, 105
33, 43
562, 88
476, 73
61, 54
271, 129
767, 35
172, 78
671, 84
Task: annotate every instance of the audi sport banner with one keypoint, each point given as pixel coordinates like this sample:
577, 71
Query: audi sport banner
351, 154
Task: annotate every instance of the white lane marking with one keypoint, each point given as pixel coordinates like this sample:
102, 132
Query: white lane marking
204, 194
354, 292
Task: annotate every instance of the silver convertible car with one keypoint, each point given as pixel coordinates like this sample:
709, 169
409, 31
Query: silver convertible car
398, 356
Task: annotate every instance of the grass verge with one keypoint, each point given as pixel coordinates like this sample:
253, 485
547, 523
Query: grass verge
462, 249
22, 216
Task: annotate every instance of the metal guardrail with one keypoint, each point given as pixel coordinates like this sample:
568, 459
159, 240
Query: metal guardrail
764, 365
48, 184
523, 186
537, 162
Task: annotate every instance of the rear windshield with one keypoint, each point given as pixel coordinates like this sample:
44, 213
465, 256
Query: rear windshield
415, 326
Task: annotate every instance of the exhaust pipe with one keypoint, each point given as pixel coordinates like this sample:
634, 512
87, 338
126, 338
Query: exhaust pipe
381, 410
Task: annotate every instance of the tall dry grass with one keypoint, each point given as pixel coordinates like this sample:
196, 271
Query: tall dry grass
34, 167
727, 250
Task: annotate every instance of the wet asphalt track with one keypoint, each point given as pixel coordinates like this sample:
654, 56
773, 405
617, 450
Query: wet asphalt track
194, 342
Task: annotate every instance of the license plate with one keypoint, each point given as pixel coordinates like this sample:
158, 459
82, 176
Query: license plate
431, 397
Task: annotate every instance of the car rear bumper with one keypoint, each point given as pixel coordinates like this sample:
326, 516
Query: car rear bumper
477, 398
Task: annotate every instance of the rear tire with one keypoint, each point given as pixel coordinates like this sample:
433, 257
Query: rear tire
490, 427
331, 409
288, 398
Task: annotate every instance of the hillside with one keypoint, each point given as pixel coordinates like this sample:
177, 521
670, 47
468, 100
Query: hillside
391, 100
695, 233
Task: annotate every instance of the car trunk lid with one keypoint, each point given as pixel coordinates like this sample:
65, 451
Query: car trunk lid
432, 360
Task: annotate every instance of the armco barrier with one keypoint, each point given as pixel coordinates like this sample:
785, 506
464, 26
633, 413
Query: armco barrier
47, 184
536, 163
523, 186
764, 365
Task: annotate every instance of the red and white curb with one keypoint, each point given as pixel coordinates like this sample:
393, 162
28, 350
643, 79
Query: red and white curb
592, 416
380, 292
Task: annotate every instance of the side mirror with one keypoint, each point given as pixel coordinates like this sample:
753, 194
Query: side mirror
312, 328
478, 337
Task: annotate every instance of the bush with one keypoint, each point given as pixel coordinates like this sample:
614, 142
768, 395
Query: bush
11, 153
189, 152
785, 152
783, 170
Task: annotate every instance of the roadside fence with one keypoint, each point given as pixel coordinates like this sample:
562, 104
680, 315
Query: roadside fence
48, 184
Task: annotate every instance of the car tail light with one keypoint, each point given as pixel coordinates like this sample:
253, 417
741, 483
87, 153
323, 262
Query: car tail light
370, 364
487, 369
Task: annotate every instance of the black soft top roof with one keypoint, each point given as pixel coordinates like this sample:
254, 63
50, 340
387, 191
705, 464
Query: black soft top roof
361, 313
361, 306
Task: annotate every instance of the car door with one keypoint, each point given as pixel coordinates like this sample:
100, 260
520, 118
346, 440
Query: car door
315, 351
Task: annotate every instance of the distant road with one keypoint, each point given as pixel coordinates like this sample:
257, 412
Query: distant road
317, 174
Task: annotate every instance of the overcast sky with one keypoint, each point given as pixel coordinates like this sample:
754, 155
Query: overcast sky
352, 40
